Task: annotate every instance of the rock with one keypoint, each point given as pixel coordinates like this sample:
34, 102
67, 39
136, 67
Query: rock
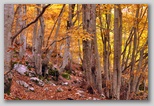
69, 99
96, 99
103, 96
53, 84
66, 76
34, 79
30, 88
79, 94
41, 83
65, 83
60, 90
79, 91
46, 89
22, 69
31, 74
54, 73
37, 81
22, 83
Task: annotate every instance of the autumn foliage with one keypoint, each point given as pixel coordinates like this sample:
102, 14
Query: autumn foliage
98, 49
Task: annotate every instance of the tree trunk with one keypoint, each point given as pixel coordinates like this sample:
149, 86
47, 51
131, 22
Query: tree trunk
22, 35
91, 62
117, 51
106, 50
87, 46
39, 44
67, 53
8, 20
133, 59
97, 59
35, 33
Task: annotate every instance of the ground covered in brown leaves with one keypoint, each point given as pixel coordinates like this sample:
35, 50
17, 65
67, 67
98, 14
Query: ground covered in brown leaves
52, 90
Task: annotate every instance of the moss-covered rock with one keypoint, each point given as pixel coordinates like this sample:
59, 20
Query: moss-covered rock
66, 75
54, 74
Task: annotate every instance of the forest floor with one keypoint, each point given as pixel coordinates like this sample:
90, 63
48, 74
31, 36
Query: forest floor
74, 88
63, 89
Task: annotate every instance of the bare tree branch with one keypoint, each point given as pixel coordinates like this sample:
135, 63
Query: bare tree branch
36, 19
55, 24
56, 41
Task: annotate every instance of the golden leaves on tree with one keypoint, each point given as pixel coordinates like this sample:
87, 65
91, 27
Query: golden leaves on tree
79, 33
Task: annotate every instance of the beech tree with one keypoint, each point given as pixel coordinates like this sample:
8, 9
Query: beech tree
67, 54
93, 74
8, 21
87, 46
105, 35
117, 51
39, 44
23, 41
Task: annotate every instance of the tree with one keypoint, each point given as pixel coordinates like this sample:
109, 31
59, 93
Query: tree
105, 35
97, 59
39, 45
8, 20
93, 74
117, 51
67, 54
23, 41
87, 46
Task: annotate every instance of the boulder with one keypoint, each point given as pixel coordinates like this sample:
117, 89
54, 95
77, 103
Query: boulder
22, 69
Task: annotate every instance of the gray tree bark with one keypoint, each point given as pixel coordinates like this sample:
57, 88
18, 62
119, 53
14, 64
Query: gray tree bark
39, 44
87, 45
22, 35
106, 50
8, 20
35, 33
133, 59
117, 51
97, 59
91, 62
67, 54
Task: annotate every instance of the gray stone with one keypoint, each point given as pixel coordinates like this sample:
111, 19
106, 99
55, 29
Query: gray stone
22, 69
37, 81
60, 90
65, 83
22, 83
31, 74
30, 88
